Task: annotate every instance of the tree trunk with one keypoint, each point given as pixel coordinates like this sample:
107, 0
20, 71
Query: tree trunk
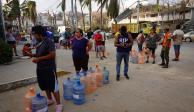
83, 18
64, 18
90, 11
76, 14
2, 27
101, 20
73, 24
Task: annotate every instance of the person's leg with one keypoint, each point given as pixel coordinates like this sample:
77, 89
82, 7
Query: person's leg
162, 57
126, 62
166, 56
15, 50
177, 51
140, 47
153, 56
85, 63
101, 52
118, 65
77, 64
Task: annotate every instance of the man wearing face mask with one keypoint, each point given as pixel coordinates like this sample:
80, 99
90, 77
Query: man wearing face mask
46, 66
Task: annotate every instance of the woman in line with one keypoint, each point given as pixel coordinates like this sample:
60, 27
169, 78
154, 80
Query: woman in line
80, 47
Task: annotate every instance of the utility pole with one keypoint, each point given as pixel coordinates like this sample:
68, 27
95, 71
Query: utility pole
138, 8
2, 26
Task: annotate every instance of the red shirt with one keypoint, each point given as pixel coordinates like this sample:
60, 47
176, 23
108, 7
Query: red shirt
98, 39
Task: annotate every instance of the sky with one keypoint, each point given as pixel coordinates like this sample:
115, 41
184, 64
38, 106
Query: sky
51, 5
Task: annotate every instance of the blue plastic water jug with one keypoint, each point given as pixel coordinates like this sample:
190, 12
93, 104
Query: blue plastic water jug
39, 103
68, 89
76, 77
79, 93
105, 76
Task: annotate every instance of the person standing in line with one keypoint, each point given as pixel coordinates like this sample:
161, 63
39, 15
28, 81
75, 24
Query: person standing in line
99, 44
11, 39
89, 34
151, 44
80, 51
177, 40
103, 43
67, 37
123, 42
166, 44
46, 66
140, 40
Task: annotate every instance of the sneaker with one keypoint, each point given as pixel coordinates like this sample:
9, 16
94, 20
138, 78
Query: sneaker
162, 64
165, 66
175, 59
104, 57
101, 58
153, 62
50, 102
118, 78
147, 61
126, 76
59, 108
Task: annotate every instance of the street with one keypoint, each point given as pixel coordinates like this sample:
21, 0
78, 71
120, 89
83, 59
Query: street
150, 88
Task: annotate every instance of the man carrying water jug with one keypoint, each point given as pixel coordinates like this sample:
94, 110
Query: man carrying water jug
123, 42
46, 66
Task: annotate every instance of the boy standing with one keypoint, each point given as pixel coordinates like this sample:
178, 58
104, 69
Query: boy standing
46, 66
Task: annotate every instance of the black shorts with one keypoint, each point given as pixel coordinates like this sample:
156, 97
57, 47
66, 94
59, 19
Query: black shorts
46, 79
153, 50
11, 42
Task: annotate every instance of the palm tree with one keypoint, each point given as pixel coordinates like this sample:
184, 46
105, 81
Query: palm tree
88, 3
184, 7
76, 14
63, 7
83, 17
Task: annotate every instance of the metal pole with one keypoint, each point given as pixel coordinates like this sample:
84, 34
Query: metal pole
2, 26
138, 7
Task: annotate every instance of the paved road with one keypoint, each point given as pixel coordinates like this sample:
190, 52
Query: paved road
150, 89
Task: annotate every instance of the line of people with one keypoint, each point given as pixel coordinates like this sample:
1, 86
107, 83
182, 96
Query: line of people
124, 42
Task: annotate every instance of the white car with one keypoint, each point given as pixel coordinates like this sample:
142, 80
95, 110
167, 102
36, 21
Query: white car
189, 37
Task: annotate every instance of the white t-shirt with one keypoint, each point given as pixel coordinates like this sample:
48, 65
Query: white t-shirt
179, 34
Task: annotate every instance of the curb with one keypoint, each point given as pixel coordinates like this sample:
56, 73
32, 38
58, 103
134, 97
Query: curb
24, 82
16, 84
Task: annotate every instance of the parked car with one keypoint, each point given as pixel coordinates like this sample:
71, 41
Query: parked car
189, 37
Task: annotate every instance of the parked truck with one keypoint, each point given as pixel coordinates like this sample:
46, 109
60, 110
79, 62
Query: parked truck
133, 28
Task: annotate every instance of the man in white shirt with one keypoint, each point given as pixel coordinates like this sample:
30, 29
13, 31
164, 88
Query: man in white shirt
177, 40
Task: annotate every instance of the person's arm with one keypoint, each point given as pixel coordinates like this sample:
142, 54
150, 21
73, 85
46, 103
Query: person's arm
51, 55
116, 41
89, 46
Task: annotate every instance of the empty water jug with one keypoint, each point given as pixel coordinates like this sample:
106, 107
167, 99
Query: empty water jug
91, 81
99, 76
39, 103
76, 77
28, 99
79, 93
68, 89
141, 58
105, 76
134, 57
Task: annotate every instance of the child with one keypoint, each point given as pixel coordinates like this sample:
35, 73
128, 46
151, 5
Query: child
26, 50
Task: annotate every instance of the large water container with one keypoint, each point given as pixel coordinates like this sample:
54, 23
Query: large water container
105, 76
39, 103
99, 76
91, 81
134, 57
76, 77
79, 93
28, 99
68, 89
141, 58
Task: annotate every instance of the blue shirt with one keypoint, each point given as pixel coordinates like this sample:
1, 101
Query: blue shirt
123, 40
79, 47
49, 35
